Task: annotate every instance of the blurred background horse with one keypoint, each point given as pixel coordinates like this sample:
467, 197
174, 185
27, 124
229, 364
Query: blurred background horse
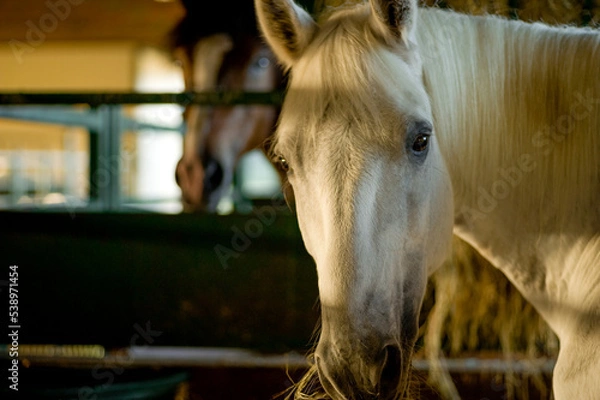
219, 48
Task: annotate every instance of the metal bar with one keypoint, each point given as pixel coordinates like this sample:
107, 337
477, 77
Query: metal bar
488, 365
244, 358
185, 98
114, 143
131, 125
64, 115
53, 115
106, 179
105, 123
94, 166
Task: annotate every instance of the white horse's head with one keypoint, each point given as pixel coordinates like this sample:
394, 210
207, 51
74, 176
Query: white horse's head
373, 196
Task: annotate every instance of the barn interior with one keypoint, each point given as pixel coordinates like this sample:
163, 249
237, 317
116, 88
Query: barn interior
122, 295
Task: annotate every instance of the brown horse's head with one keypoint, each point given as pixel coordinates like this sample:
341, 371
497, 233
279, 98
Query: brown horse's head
221, 51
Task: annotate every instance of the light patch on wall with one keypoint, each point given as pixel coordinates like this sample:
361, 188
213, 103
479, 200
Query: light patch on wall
157, 151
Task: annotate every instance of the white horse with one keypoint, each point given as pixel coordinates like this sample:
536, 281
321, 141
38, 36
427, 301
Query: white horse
402, 125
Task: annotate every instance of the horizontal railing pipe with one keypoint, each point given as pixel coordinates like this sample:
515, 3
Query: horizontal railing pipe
217, 98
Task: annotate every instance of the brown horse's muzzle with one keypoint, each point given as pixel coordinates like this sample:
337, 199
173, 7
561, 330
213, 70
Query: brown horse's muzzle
189, 175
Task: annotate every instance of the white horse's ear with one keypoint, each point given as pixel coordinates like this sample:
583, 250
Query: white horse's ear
287, 28
395, 20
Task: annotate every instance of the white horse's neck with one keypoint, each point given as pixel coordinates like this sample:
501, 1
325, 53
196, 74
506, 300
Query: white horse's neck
517, 115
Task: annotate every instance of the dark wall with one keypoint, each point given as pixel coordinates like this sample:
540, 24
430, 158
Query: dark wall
199, 280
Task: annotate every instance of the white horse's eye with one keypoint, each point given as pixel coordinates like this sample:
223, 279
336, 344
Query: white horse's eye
283, 164
420, 144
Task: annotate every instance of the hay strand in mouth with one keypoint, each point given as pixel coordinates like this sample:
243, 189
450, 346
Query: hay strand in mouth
308, 387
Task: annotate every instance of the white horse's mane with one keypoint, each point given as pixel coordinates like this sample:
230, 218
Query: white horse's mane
503, 93
517, 93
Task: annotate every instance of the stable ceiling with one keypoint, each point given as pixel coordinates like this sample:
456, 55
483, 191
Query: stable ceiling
147, 21
150, 20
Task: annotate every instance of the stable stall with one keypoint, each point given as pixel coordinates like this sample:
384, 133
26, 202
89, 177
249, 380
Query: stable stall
119, 294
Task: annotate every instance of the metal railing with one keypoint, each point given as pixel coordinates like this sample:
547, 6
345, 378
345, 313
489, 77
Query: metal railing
104, 120
224, 98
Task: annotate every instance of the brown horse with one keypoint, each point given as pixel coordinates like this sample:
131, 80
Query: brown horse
221, 50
